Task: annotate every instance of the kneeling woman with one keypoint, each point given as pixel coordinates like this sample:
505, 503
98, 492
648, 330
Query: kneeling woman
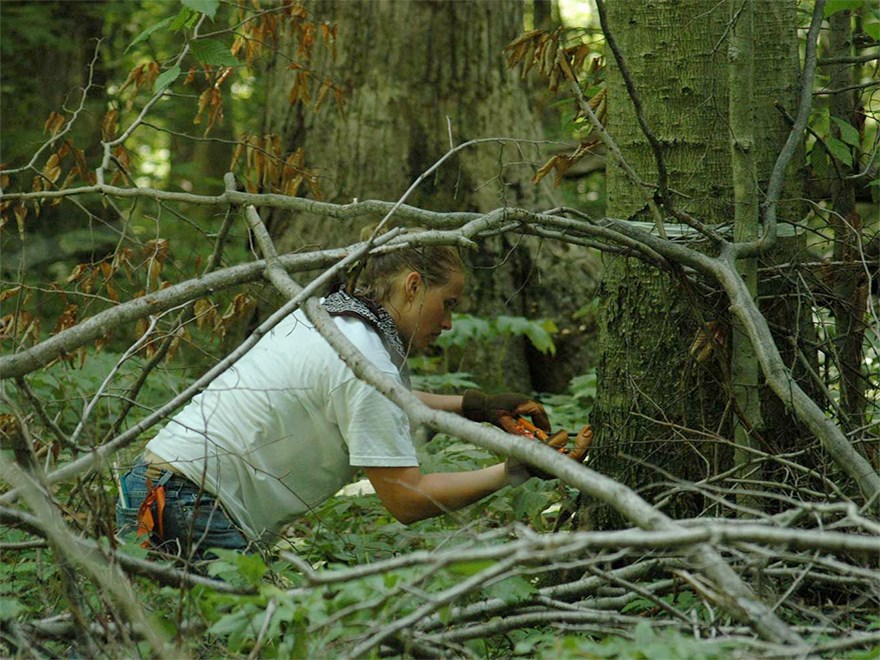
285, 427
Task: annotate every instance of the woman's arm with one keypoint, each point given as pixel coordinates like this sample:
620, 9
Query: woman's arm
411, 496
447, 402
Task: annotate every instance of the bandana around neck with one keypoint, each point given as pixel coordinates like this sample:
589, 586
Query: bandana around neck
343, 303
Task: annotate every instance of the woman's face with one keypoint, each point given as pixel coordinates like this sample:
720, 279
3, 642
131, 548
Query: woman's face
422, 312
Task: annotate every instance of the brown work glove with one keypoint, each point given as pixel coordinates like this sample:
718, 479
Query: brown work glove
501, 409
518, 472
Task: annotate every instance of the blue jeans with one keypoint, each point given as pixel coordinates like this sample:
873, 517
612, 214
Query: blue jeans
193, 520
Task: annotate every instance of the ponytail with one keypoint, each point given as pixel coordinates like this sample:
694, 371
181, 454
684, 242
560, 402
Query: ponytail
435, 263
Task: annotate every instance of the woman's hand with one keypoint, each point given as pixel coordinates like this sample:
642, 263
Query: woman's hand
502, 409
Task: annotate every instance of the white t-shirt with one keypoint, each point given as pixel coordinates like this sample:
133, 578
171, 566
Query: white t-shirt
283, 429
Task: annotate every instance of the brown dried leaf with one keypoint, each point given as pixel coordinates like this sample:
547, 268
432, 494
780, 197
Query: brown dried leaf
122, 157
108, 125
158, 249
88, 282
306, 41
20, 215
292, 186
71, 175
151, 73
111, 292
204, 311
204, 100
216, 109
579, 55
81, 167
236, 156
548, 59
53, 123
154, 272
526, 36
340, 100
237, 44
322, 94
315, 188
9, 293
77, 273
67, 319
52, 170
545, 169
133, 75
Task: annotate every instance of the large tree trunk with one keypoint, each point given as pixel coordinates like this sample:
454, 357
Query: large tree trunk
657, 407
419, 76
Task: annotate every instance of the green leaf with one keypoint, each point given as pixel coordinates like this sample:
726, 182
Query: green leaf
834, 6
644, 634
872, 29
143, 36
471, 567
207, 7
584, 386
234, 622
465, 330
9, 608
839, 150
512, 590
529, 503
540, 334
848, 132
512, 325
214, 53
252, 568
181, 19
819, 160
166, 78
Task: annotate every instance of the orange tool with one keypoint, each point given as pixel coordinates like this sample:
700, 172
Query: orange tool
526, 428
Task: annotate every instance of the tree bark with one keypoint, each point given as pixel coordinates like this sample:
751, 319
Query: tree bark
849, 303
657, 407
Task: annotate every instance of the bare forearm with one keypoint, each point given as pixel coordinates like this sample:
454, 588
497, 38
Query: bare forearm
448, 491
447, 402
411, 496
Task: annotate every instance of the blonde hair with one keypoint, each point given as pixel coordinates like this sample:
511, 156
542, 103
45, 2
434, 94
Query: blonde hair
435, 263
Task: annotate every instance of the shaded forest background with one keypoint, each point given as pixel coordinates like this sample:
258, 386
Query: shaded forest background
573, 156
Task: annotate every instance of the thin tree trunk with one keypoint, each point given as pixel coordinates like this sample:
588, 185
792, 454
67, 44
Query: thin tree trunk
850, 288
744, 368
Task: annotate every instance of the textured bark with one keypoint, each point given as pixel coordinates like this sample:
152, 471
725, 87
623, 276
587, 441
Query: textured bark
744, 368
413, 71
655, 403
850, 284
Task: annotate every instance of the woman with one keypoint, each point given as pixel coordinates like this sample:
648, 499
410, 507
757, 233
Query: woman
285, 427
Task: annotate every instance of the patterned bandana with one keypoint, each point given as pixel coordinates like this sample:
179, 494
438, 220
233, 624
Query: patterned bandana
342, 303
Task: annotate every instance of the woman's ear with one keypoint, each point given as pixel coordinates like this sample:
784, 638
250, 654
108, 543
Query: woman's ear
411, 284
